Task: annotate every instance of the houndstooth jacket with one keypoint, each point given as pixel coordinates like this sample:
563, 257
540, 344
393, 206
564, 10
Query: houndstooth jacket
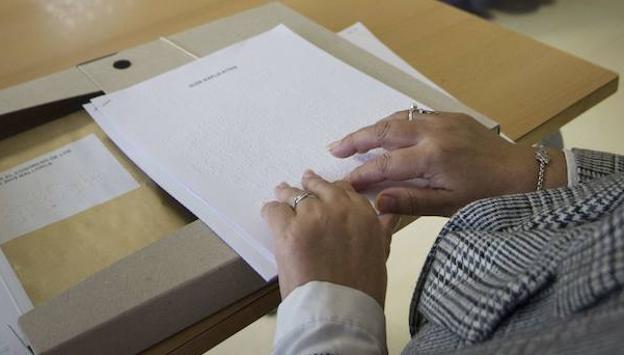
532, 273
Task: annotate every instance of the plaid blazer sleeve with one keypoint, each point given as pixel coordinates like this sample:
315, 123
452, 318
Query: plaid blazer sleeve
593, 164
509, 267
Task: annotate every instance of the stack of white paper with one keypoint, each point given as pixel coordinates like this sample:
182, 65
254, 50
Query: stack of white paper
219, 133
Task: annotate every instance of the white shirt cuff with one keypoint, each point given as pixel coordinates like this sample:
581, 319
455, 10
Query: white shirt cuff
571, 166
325, 317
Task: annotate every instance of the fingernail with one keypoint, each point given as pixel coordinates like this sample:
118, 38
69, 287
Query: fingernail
308, 173
282, 185
332, 146
386, 203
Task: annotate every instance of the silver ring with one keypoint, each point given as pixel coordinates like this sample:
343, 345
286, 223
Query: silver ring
410, 113
417, 109
302, 196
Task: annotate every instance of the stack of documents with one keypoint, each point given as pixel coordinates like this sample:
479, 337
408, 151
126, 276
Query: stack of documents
219, 133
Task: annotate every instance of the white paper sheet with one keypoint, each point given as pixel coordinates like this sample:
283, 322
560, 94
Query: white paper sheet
362, 37
219, 133
13, 303
59, 184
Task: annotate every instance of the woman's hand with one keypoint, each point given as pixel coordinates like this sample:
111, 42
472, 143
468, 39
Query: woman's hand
333, 236
451, 159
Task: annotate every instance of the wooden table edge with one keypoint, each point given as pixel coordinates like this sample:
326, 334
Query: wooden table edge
571, 112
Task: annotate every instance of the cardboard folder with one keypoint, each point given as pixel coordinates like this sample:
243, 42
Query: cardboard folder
180, 279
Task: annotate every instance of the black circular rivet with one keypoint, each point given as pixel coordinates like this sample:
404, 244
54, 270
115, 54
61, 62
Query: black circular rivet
122, 64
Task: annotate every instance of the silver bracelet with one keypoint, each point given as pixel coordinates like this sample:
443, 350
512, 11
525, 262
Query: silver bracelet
543, 159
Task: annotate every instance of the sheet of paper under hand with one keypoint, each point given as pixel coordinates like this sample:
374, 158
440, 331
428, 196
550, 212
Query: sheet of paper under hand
219, 133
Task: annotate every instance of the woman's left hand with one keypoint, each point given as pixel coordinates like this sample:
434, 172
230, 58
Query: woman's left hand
333, 236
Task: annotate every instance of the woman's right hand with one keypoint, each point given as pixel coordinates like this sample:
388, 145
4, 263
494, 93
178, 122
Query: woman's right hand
451, 158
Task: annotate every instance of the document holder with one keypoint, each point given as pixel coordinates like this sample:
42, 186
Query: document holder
156, 269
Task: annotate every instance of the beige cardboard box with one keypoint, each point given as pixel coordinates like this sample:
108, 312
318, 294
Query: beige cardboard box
132, 293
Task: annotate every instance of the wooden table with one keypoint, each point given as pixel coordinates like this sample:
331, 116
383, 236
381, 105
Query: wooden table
528, 87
